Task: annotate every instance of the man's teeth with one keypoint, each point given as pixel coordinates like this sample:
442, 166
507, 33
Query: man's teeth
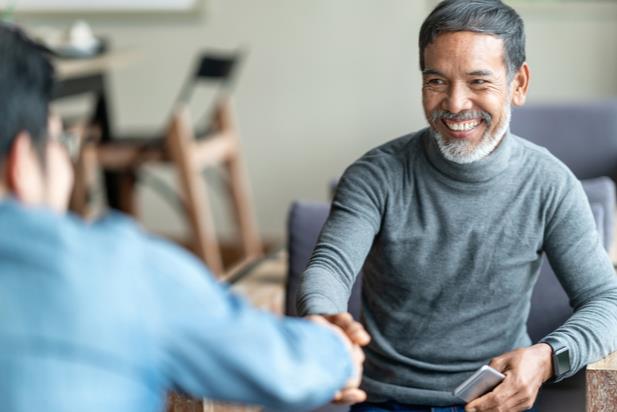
462, 126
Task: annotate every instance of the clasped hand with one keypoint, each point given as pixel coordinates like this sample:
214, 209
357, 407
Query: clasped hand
355, 336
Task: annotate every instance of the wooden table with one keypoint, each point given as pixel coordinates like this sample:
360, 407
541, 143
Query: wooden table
602, 385
601, 376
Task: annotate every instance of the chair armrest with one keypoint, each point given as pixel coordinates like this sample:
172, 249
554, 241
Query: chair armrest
601, 383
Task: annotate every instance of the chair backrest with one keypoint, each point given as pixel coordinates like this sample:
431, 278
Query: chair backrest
583, 135
219, 69
550, 305
214, 67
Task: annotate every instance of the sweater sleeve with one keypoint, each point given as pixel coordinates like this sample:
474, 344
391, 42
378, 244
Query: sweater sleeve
214, 345
345, 240
574, 249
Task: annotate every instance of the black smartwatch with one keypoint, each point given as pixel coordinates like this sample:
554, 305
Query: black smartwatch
561, 362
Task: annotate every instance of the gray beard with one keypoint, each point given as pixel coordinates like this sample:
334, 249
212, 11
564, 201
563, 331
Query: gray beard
463, 152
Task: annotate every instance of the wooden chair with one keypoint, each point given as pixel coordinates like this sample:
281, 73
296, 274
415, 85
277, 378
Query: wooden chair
189, 153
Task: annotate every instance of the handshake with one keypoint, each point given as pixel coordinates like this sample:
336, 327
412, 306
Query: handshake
355, 336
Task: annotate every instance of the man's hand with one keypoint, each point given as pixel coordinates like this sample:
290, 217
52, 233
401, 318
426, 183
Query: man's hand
353, 329
354, 335
526, 370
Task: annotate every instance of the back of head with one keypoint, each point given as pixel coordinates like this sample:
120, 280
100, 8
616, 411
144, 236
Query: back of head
491, 17
26, 81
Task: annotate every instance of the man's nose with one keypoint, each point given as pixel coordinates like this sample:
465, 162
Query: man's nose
458, 98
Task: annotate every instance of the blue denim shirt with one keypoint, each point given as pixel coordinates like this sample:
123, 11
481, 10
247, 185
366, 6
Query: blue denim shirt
102, 317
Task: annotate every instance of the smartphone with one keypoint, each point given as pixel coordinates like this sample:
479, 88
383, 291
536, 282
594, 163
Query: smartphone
482, 381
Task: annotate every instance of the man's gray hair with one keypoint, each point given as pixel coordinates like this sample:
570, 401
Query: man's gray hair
491, 17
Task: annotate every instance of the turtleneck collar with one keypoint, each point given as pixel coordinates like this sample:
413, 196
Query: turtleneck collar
476, 172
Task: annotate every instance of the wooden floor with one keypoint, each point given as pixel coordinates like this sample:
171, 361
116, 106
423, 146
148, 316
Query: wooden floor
264, 288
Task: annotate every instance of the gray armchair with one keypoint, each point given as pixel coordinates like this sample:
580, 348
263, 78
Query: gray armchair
550, 305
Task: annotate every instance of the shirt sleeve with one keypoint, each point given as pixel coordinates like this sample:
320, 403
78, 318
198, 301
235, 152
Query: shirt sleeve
574, 249
214, 345
345, 240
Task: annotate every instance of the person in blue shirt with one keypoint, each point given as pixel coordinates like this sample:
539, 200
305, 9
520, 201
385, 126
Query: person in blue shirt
103, 317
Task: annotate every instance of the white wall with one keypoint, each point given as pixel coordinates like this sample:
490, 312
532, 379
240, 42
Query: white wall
326, 80
572, 50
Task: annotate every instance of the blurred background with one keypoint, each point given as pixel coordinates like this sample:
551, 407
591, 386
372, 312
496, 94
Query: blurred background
319, 83
322, 81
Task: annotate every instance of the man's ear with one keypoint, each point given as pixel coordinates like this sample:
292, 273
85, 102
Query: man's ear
520, 85
23, 170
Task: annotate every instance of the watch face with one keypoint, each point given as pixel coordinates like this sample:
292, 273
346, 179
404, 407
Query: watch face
562, 361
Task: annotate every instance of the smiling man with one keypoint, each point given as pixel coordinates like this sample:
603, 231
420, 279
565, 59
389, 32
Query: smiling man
449, 225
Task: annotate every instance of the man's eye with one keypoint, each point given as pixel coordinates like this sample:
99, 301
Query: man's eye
435, 82
478, 82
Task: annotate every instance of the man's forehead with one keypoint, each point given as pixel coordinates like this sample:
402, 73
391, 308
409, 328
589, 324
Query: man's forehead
467, 40
473, 53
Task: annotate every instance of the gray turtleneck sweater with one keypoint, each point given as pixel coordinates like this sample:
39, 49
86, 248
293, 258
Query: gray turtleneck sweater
451, 253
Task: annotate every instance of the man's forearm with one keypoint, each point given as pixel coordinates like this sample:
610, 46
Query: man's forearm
321, 293
590, 333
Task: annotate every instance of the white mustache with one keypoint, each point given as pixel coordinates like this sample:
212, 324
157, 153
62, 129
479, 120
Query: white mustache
466, 115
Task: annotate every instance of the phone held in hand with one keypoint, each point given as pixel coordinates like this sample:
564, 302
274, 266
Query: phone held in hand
482, 381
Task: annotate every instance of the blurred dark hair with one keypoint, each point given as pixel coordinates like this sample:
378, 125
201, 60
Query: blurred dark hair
26, 82
481, 16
